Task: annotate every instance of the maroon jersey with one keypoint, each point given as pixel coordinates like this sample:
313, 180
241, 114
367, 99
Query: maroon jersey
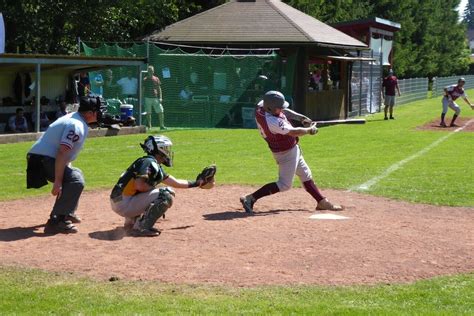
390, 83
455, 91
274, 129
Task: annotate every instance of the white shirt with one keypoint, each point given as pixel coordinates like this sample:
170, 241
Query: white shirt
70, 130
277, 124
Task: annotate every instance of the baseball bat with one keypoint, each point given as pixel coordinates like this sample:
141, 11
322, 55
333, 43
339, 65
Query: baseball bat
335, 122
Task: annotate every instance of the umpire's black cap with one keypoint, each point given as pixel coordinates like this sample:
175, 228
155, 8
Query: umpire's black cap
89, 104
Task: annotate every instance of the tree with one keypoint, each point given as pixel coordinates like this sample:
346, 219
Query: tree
333, 11
468, 15
431, 41
53, 26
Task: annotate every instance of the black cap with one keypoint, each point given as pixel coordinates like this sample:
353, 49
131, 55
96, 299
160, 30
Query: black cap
89, 104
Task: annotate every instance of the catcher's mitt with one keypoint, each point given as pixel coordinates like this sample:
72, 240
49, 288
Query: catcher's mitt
206, 177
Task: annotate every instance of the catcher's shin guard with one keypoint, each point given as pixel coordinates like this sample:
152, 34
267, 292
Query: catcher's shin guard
156, 209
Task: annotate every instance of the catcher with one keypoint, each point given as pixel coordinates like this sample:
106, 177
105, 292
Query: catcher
135, 195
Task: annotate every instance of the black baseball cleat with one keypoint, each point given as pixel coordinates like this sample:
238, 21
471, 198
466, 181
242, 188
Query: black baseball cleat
247, 203
386, 118
54, 226
392, 118
151, 232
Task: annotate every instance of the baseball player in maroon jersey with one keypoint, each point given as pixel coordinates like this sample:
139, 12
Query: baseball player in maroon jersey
451, 93
272, 116
390, 83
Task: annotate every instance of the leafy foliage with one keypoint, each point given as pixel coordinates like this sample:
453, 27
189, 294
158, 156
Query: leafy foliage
468, 16
51, 26
431, 41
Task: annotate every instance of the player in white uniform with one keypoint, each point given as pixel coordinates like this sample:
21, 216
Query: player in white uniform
49, 159
451, 93
272, 115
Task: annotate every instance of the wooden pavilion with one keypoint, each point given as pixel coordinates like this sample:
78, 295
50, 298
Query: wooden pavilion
250, 24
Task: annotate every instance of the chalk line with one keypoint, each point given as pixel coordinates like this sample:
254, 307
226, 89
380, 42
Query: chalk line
367, 185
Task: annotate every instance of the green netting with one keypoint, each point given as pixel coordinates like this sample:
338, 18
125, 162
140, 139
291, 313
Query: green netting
199, 89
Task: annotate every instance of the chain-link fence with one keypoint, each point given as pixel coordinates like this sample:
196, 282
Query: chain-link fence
366, 84
412, 89
439, 83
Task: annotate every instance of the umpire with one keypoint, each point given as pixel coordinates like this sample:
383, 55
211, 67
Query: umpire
49, 159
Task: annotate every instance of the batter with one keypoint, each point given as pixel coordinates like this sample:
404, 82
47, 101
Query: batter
272, 116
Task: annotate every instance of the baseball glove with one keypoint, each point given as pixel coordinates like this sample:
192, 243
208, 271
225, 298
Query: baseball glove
206, 177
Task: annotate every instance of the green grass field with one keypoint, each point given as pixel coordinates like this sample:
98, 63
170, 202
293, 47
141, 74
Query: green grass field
341, 157
36, 292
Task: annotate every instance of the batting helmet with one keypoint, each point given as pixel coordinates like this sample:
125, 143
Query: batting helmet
274, 100
461, 80
159, 145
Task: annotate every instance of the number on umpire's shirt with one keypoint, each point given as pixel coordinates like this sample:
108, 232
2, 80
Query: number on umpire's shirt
72, 136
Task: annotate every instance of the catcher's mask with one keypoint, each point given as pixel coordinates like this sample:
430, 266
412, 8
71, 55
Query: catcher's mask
159, 145
273, 100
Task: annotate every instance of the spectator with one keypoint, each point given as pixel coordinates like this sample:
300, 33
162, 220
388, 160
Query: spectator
83, 84
110, 88
325, 78
61, 103
97, 84
18, 123
153, 97
44, 119
186, 93
315, 80
129, 85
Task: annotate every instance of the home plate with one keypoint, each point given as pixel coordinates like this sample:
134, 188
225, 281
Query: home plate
328, 216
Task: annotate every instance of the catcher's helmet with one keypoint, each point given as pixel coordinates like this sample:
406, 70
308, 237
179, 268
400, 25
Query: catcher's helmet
159, 145
274, 100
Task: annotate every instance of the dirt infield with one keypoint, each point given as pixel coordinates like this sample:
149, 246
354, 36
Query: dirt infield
207, 238
466, 123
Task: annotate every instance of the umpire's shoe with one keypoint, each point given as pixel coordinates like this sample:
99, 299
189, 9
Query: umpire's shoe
73, 218
325, 205
58, 226
247, 202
